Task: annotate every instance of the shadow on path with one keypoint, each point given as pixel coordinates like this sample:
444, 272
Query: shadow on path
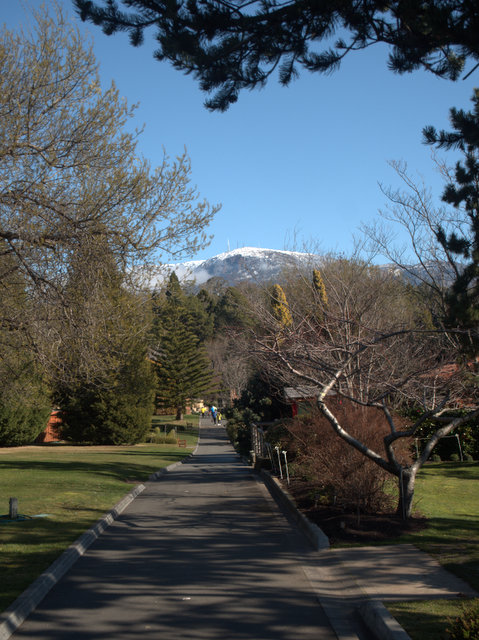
202, 553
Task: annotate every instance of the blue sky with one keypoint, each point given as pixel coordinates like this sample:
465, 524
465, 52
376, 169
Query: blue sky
291, 166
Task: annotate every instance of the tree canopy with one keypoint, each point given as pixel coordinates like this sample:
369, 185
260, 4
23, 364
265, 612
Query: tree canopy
238, 45
463, 192
183, 368
68, 169
81, 214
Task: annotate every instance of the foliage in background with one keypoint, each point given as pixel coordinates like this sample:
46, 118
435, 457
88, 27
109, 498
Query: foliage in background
259, 403
463, 243
280, 307
24, 398
447, 447
116, 412
21, 424
73, 186
183, 368
237, 46
104, 384
238, 428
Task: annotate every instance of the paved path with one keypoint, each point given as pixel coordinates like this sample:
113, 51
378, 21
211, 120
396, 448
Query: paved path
202, 553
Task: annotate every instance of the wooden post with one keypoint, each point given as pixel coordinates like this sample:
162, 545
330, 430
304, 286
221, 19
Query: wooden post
13, 513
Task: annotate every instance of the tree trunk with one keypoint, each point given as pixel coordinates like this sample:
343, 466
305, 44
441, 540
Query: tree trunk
179, 413
407, 479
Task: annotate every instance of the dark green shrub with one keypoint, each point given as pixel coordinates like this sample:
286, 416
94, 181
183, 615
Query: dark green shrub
20, 425
436, 458
454, 457
468, 458
466, 626
119, 413
238, 428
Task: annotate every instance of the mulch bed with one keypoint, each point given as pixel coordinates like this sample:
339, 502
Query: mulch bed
341, 526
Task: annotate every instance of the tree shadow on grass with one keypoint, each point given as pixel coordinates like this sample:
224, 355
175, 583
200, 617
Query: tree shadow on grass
117, 470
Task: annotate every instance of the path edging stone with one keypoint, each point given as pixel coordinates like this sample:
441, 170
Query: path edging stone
380, 621
27, 601
373, 612
315, 535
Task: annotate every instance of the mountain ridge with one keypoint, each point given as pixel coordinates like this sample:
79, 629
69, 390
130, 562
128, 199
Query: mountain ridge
258, 265
245, 264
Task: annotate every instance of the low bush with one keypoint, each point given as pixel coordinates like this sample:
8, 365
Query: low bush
159, 436
20, 424
339, 474
466, 626
238, 428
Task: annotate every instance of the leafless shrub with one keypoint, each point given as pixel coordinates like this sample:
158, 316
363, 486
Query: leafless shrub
340, 474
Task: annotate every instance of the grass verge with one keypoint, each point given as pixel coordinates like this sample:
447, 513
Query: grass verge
448, 494
69, 488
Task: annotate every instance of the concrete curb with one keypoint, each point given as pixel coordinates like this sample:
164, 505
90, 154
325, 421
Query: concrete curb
378, 619
314, 534
372, 612
27, 602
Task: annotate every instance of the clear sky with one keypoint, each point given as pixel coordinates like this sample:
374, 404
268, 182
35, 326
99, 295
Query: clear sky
291, 166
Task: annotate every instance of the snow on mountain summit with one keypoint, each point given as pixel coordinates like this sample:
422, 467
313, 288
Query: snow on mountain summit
246, 263
256, 252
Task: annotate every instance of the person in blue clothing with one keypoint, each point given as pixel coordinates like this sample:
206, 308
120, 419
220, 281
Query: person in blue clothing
213, 411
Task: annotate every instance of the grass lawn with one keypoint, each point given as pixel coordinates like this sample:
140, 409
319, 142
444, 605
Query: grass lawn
448, 494
188, 419
74, 486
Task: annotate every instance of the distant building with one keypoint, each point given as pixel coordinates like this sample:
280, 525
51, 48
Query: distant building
302, 398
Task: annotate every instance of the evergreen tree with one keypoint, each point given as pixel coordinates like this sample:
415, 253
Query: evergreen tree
232, 310
463, 298
24, 400
183, 368
280, 307
236, 45
103, 383
319, 288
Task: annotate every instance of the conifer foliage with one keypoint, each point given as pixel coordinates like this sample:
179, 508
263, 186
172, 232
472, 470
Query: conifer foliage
280, 307
183, 368
319, 288
103, 381
463, 298
236, 45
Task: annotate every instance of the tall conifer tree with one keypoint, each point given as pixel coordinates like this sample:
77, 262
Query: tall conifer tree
280, 307
183, 368
463, 298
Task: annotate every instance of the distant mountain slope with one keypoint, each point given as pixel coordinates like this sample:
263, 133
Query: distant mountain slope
248, 263
267, 265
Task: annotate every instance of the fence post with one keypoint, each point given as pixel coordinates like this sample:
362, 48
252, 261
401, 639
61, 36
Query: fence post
13, 510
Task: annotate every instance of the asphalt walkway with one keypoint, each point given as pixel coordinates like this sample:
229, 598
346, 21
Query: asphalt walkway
204, 552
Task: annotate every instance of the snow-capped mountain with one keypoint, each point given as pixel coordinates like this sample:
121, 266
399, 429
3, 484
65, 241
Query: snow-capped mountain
248, 263
267, 266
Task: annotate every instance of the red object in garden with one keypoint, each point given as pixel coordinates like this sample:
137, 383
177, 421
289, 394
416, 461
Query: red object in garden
52, 432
